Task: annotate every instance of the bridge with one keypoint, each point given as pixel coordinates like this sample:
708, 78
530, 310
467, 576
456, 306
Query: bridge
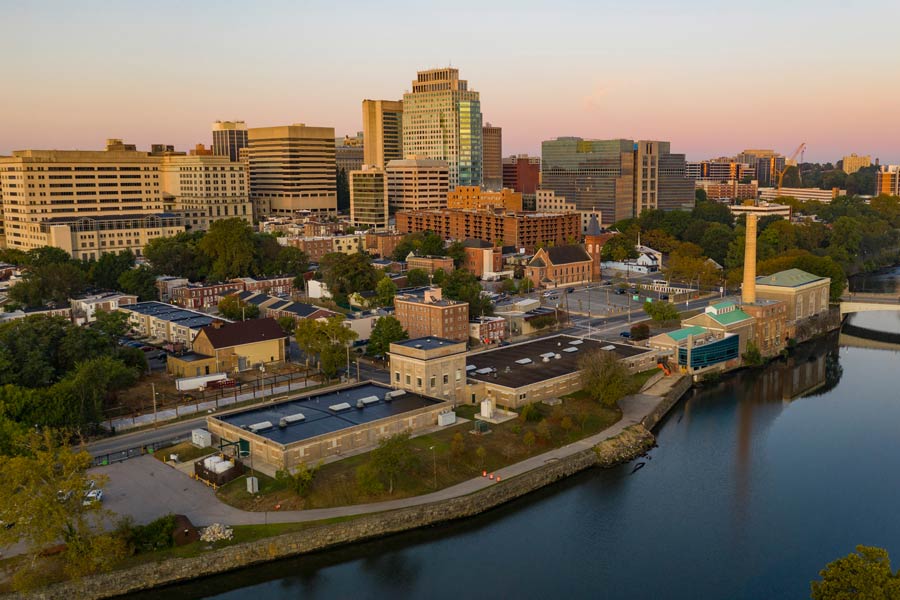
864, 302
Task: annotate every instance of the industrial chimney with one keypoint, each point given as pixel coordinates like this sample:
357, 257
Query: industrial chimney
748, 289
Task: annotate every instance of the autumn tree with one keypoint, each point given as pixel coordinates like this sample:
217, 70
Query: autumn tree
604, 378
234, 308
865, 573
229, 244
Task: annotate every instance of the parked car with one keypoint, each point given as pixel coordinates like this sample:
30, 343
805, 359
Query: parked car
625, 334
548, 294
570, 290
93, 496
620, 291
607, 282
664, 297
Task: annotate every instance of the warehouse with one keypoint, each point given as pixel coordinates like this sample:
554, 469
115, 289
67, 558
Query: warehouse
312, 428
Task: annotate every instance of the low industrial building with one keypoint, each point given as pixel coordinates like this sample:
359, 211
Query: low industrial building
696, 350
430, 365
545, 368
231, 348
309, 429
806, 294
725, 317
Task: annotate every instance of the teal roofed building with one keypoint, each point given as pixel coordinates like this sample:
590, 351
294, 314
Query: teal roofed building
805, 294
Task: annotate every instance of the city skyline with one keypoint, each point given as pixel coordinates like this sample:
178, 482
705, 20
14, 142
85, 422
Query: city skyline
646, 72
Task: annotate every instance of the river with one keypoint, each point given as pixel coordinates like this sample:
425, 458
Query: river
756, 484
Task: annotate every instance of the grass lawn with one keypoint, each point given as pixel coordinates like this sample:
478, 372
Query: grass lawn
448, 463
642, 377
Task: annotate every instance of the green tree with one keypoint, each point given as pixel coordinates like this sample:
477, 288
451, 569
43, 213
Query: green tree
287, 324
179, 255
292, 261
417, 277
141, 282
105, 272
300, 479
792, 177
47, 255
481, 453
462, 285
234, 308
604, 378
343, 189
528, 439
715, 241
508, 286
700, 195
386, 330
661, 312
618, 248
112, 324
865, 573
385, 291
457, 445
640, 331
346, 274
713, 212
229, 243
752, 356
457, 251
526, 286
393, 457
44, 484
309, 338
53, 282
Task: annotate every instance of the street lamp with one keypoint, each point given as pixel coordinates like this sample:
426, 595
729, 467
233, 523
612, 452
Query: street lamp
434, 459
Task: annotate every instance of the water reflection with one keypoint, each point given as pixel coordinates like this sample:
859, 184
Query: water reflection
887, 280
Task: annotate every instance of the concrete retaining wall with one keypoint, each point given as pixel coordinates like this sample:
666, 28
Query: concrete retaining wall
665, 405
629, 444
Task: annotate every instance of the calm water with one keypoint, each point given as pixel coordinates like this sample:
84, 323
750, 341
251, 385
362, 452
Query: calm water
756, 484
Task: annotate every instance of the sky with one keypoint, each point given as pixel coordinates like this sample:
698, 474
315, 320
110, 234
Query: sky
709, 76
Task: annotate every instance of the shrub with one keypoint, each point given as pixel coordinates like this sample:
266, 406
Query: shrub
530, 414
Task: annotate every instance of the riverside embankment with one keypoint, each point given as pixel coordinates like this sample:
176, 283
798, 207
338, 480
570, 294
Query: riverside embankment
627, 439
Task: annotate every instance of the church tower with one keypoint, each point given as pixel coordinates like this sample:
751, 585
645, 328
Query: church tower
594, 239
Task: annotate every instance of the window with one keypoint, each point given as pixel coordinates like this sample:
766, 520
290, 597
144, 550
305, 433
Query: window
397, 376
418, 382
407, 380
446, 379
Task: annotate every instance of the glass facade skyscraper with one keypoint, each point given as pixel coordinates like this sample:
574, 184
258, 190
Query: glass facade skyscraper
228, 139
442, 120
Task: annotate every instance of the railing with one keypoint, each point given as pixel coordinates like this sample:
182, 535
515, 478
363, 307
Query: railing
123, 455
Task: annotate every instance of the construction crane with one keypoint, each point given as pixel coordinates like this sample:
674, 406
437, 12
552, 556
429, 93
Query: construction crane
799, 151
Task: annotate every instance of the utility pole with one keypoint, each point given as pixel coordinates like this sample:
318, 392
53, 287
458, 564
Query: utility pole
153, 388
434, 458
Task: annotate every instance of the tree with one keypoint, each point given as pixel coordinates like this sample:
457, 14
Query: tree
457, 445
481, 453
865, 573
292, 261
618, 248
230, 245
463, 286
700, 195
714, 212
299, 480
49, 281
457, 251
385, 290
105, 272
234, 308
393, 457
308, 338
346, 274
604, 378
111, 324
343, 189
417, 277
528, 439
508, 286
386, 330
178, 255
287, 324
752, 356
544, 431
661, 312
139, 281
525, 286
640, 331
44, 484
715, 241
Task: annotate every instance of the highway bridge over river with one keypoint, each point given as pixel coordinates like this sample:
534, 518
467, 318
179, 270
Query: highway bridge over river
864, 302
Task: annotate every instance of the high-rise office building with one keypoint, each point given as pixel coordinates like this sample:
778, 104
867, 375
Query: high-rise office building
417, 184
492, 157
619, 178
204, 189
369, 197
86, 202
228, 139
349, 152
765, 163
522, 173
853, 163
887, 180
382, 131
442, 120
292, 169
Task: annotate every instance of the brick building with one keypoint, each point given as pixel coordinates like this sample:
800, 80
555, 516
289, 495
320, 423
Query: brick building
199, 295
431, 315
383, 243
473, 197
487, 330
560, 266
482, 257
519, 229
429, 264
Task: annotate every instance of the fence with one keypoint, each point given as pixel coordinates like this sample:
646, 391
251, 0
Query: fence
123, 455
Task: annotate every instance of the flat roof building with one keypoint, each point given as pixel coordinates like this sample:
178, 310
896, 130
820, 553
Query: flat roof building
369, 197
432, 316
229, 137
492, 157
312, 428
477, 198
382, 131
167, 323
417, 183
430, 365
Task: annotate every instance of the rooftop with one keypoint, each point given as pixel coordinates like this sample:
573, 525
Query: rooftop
523, 364
427, 343
319, 418
684, 332
173, 314
790, 278
729, 318
561, 255
244, 332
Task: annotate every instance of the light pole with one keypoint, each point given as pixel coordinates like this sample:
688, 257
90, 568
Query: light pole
434, 459
153, 389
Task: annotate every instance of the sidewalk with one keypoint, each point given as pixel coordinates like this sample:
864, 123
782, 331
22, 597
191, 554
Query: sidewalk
144, 488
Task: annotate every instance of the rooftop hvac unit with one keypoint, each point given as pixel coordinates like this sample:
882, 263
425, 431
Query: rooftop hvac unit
570, 349
484, 370
576, 342
545, 359
396, 393
339, 407
523, 361
369, 400
261, 426
290, 419
609, 347
548, 354
359, 404
470, 368
557, 356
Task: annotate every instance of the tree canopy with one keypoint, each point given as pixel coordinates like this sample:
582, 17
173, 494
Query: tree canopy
865, 573
604, 378
386, 330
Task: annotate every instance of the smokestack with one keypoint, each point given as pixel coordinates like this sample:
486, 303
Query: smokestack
748, 289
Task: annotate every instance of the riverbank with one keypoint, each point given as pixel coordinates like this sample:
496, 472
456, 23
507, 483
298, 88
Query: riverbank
620, 443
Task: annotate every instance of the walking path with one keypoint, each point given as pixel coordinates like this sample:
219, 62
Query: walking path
145, 488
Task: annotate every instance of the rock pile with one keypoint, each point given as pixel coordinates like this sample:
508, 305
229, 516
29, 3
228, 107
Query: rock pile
216, 532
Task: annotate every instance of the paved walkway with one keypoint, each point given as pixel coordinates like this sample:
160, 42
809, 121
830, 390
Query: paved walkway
145, 488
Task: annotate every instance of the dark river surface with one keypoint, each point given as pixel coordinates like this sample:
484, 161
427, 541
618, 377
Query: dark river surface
757, 483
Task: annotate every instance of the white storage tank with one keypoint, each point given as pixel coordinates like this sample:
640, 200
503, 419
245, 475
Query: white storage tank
446, 418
